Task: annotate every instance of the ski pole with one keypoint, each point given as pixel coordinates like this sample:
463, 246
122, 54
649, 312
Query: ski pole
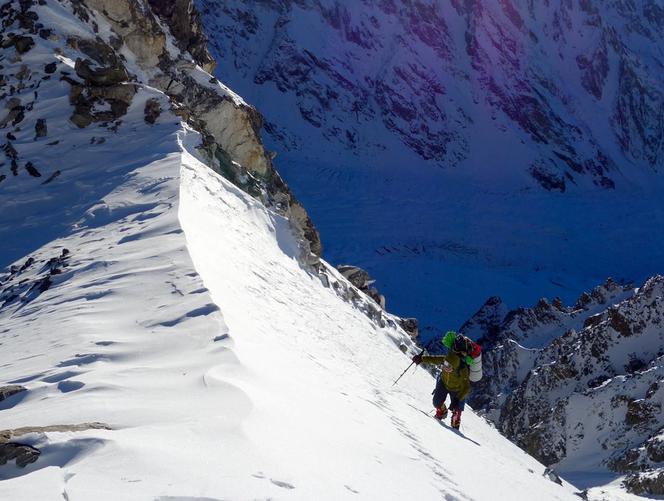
404, 372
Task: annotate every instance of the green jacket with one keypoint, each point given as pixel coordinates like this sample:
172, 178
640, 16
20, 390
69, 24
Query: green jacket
456, 381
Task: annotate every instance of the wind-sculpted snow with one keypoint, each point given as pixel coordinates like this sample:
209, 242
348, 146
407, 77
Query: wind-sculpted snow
544, 116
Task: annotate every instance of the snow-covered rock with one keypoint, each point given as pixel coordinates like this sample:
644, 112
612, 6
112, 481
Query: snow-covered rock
581, 388
424, 70
513, 341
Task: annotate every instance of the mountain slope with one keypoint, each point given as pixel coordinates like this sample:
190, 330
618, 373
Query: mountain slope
165, 334
506, 148
580, 387
296, 379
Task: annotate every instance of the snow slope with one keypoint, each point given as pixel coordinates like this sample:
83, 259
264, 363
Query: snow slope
226, 370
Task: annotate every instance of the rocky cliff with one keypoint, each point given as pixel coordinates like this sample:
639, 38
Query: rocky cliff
581, 387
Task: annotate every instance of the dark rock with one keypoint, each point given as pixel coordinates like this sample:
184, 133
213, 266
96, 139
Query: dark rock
650, 483
84, 100
356, 276
652, 389
182, 18
44, 285
50, 68
28, 262
23, 454
557, 303
593, 321
16, 112
376, 296
52, 177
641, 413
627, 462
552, 475
152, 110
82, 119
101, 76
548, 180
103, 67
26, 454
23, 44
41, 130
410, 325
655, 450
583, 301
32, 170
10, 151
598, 381
8, 391
619, 323
635, 364
19, 115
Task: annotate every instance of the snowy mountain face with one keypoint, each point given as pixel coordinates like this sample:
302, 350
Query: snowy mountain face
580, 387
509, 148
167, 329
100, 90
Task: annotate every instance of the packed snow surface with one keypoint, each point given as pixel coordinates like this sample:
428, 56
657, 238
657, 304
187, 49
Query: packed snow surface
225, 369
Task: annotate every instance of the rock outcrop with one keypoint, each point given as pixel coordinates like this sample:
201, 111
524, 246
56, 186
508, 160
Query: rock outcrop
24, 283
8, 391
21, 453
361, 279
646, 484
183, 20
513, 340
24, 454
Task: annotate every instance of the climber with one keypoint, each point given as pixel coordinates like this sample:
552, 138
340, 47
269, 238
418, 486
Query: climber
461, 365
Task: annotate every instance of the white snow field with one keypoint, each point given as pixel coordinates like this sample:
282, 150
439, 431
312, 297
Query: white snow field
224, 368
